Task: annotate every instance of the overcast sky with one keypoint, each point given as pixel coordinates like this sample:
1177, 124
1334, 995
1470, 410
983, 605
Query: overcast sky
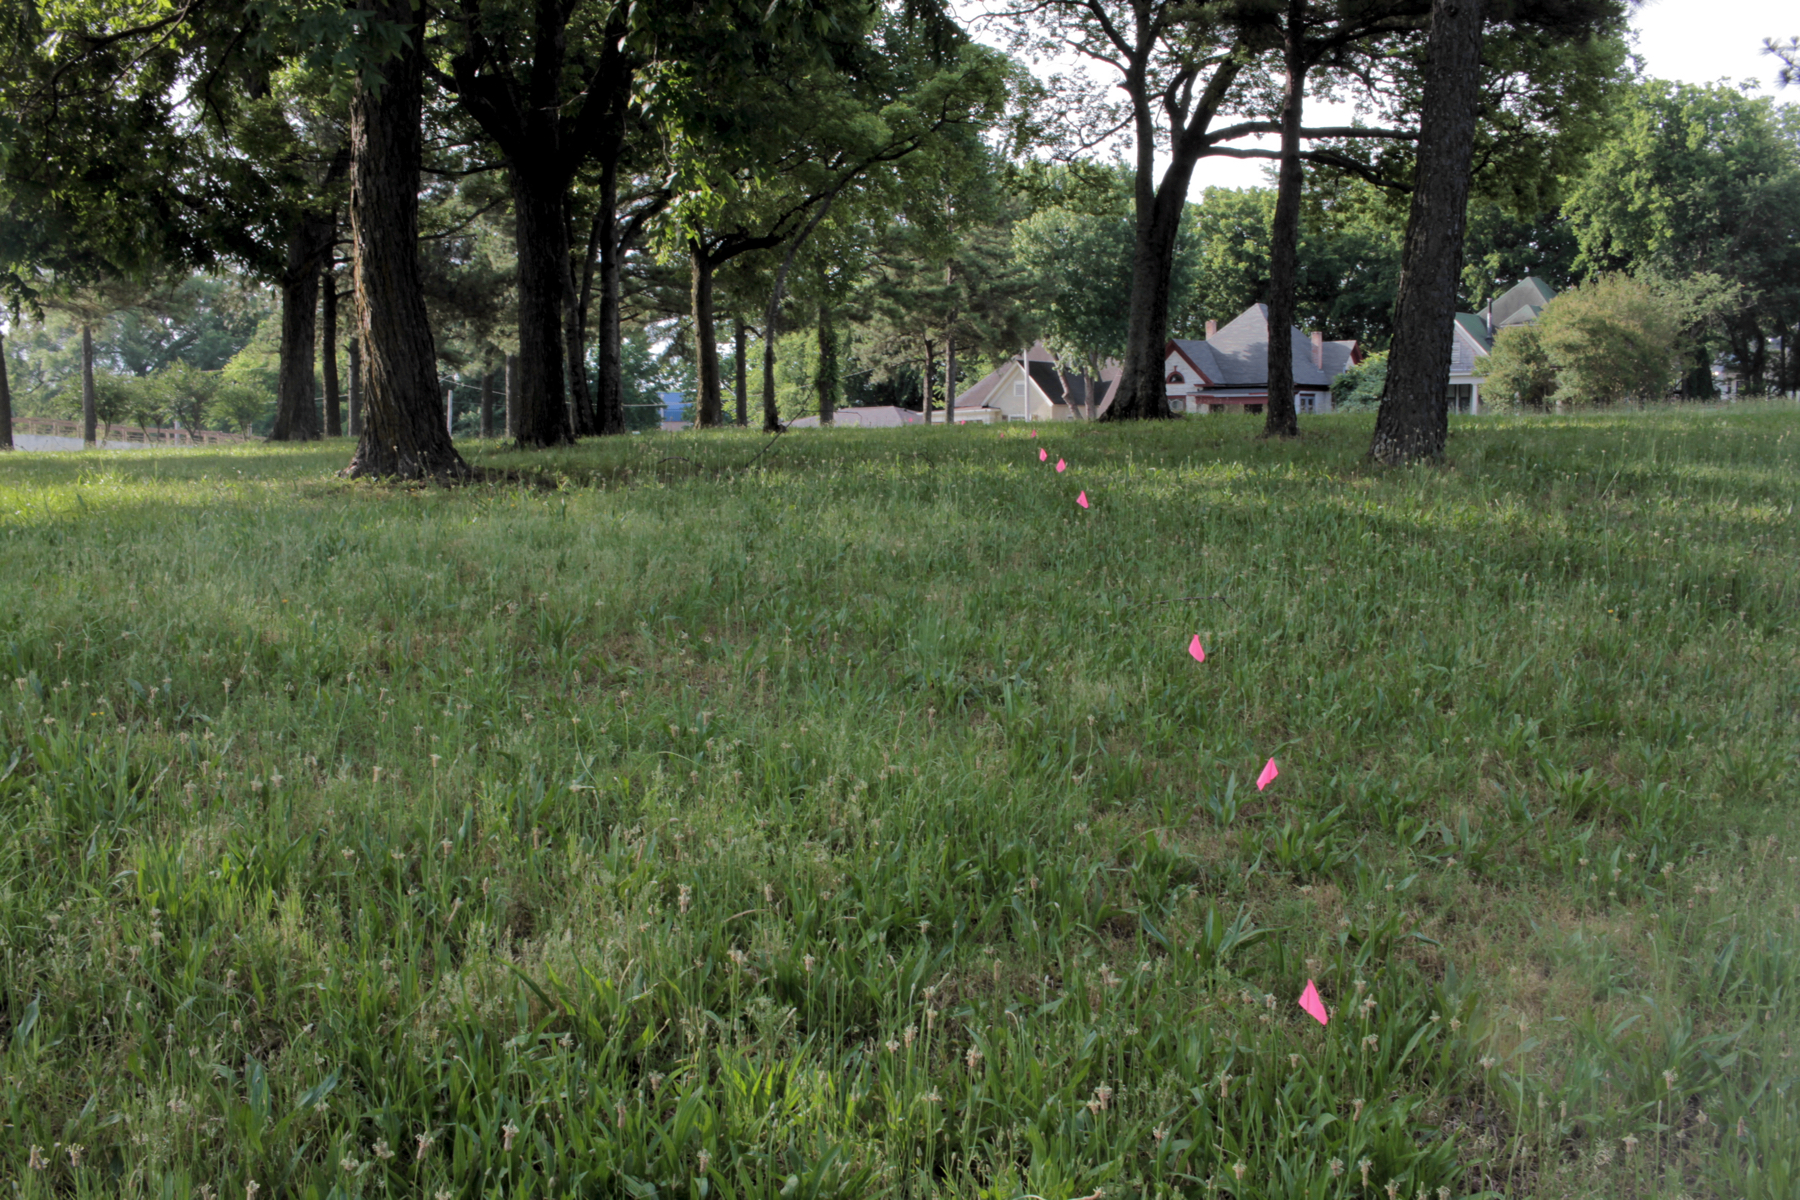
1695, 41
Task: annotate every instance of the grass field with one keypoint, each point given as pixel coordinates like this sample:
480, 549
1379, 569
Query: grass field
857, 824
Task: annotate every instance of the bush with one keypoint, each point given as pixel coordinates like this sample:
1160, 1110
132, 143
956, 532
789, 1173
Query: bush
241, 403
1360, 386
1615, 338
1519, 371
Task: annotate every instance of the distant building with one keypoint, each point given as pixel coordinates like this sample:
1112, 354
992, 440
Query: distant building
1229, 369
1035, 386
876, 416
1472, 337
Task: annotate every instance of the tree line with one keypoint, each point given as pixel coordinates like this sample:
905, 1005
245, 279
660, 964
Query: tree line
535, 191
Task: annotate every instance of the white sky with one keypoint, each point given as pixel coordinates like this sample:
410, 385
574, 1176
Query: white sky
1694, 41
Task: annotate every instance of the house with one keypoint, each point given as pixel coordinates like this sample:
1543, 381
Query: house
1472, 337
1229, 369
1034, 386
876, 416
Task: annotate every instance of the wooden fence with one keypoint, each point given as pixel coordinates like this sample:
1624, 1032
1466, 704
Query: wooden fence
153, 436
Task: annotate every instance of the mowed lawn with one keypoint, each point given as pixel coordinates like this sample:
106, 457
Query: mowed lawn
850, 819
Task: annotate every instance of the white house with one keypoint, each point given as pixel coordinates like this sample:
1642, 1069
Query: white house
1034, 386
875, 416
1472, 337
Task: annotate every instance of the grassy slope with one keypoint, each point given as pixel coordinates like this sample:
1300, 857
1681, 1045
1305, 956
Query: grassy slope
859, 825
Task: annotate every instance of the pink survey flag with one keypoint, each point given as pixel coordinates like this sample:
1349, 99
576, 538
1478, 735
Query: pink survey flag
1315, 1007
1082, 500
1061, 466
1034, 433
1268, 775
1043, 454
1196, 649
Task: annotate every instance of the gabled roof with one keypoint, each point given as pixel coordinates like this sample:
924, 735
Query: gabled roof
1237, 355
1520, 304
1475, 327
1338, 356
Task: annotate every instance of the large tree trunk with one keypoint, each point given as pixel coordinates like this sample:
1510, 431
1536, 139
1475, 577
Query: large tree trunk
1414, 418
487, 399
740, 347
581, 400
1142, 394
6, 436
296, 389
88, 403
609, 382
826, 381
328, 317
706, 348
950, 382
1284, 237
403, 427
925, 389
512, 396
543, 247
356, 412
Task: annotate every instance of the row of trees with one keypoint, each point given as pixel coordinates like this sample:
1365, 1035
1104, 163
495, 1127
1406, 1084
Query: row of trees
475, 181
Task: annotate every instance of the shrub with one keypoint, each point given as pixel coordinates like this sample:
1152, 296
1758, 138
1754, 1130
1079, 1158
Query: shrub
1612, 339
241, 403
1361, 385
1519, 373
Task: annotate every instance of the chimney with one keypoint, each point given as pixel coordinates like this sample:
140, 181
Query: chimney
1318, 340
1212, 327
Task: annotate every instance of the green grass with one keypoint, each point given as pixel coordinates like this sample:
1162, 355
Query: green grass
858, 825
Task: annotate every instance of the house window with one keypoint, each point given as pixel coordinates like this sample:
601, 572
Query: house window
1461, 394
1306, 402
1175, 377
1018, 387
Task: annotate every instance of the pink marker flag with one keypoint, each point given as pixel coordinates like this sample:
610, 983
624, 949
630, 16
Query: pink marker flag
1034, 433
1082, 500
1315, 1007
1268, 776
1061, 466
1196, 649
1043, 454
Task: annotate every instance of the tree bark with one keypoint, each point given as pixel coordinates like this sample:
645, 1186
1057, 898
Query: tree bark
1284, 236
740, 347
581, 401
328, 317
950, 382
1413, 420
88, 404
403, 427
925, 393
6, 434
706, 347
609, 381
826, 381
1142, 394
296, 390
356, 412
512, 396
487, 399
543, 246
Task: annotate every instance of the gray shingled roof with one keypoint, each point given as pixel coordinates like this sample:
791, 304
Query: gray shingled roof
1237, 355
1473, 325
1521, 303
